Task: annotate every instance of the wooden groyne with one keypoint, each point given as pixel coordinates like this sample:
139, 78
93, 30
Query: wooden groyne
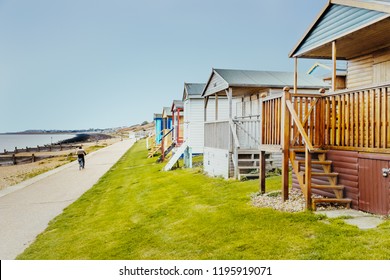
14, 157
37, 149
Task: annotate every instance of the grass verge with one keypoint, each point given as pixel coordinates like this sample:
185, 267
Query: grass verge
136, 211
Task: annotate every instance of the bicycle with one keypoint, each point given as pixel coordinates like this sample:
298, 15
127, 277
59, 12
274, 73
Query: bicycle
81, 163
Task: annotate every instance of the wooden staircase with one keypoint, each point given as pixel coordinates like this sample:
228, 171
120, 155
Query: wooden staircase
248, 164
153, 151
321, 169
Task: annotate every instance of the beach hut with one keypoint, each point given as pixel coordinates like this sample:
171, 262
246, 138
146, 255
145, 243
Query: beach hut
193, 104
158, 127
339, 146
232, 132
167, 132
177, 110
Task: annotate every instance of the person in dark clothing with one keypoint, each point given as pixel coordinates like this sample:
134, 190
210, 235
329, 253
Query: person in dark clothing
80, 157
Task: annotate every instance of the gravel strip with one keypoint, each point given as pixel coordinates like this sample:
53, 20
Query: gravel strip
295, 203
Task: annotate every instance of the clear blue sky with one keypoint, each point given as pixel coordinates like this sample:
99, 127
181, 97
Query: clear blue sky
79, 64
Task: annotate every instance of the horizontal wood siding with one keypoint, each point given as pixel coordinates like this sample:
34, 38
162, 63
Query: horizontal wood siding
216, 162
346, 164
381, 66
360, 71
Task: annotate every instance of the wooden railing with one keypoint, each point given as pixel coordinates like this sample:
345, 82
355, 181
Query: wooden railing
271, 121
248, 132
358, 119
306, 112
166, 140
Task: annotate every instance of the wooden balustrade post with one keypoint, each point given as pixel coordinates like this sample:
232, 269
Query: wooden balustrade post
13, 159
32, 158
262, 171
308, 157
286, 129
321, 118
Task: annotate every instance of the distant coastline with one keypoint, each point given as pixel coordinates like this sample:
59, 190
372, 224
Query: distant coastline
11, 141
86, 137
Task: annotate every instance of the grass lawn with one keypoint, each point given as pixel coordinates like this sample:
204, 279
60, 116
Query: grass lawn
136, 211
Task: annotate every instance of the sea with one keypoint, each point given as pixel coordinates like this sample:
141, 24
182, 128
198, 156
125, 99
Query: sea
10, 141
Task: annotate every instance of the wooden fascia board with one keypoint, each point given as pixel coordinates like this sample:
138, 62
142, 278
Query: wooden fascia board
291, 54
375, 6
208, 82
341, 36
185, 93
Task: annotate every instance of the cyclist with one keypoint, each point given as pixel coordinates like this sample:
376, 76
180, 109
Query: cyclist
80, 157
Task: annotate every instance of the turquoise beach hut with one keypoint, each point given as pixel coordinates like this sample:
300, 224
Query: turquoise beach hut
158, 126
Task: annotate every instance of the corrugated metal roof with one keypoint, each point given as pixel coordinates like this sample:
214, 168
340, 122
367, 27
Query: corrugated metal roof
167, 111
177, 104
335, 22
252, 78
194, 88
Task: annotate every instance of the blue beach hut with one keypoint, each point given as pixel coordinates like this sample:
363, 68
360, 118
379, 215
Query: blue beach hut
158, 126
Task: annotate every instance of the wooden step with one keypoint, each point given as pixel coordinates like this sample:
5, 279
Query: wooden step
247, 167
248, 160
249, 175
318, 162
346, 201
337, 189
327, 187
246, 152
321, 174
255, 160
302, 150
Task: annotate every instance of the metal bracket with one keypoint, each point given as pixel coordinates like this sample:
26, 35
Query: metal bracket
385, 172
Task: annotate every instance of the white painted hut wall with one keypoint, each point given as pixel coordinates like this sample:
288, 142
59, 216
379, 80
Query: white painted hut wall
223, 109
216, 162
194, 124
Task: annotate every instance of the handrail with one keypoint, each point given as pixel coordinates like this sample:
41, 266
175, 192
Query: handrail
343, 91
166, 134
248, 117
235, 137
299, 125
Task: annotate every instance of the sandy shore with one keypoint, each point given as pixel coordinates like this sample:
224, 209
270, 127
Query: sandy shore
14, 174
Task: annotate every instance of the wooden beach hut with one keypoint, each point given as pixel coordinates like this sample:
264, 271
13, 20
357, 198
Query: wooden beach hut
338, 143
193, 103
167, 132
177, 110
232, 132
158, 127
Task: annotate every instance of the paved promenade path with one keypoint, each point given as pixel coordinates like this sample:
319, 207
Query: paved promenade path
27, 208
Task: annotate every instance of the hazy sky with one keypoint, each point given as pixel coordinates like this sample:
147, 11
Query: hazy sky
75, 64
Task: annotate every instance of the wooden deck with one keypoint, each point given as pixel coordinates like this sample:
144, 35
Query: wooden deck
357, 120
